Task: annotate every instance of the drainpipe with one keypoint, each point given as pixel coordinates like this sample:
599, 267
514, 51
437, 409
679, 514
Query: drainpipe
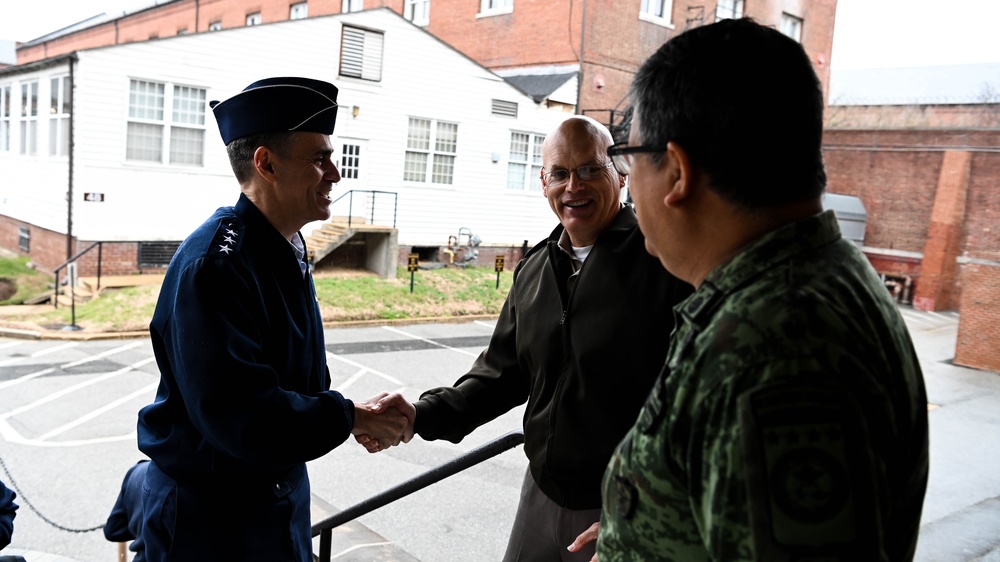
71, 150
579, 81
197, 12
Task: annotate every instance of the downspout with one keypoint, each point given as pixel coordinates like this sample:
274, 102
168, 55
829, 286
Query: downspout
579, 81
71, 150
197, 12
116, 31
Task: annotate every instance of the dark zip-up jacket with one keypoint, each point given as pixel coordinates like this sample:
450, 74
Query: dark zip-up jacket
584, 359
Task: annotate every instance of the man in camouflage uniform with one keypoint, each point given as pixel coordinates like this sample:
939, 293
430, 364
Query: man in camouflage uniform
790, 420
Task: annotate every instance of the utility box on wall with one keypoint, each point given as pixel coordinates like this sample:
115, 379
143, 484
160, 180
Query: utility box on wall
851, 216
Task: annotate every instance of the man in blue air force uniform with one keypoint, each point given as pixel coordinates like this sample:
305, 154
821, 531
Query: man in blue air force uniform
244, 398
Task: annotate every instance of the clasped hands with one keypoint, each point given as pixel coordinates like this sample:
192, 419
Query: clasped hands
384, 420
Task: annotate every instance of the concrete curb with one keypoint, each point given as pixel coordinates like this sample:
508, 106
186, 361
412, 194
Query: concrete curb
19, 333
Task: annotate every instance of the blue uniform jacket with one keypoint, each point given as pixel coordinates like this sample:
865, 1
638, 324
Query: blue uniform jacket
243, 400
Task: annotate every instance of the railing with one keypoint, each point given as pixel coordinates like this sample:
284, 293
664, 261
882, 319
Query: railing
325, 528
100, 247
350, 203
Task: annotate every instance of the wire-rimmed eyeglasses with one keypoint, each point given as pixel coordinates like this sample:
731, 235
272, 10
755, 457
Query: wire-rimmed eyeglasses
621, 155
583, 173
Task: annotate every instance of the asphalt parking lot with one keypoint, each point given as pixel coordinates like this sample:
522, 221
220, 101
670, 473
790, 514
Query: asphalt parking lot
67, 435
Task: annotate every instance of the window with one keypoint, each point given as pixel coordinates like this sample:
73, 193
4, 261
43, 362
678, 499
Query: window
29, 118
215, 26
524, 166
350, 161
657, 11
151, 134
59, 103
430, 144
253, 19
182, 31
187, 135
729, 10
791, 26
299, 11
5, 118
353, 6
494, 7
418, 11
361, 53
24, 238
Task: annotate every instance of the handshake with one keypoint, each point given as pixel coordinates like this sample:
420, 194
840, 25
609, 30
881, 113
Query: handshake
383, 421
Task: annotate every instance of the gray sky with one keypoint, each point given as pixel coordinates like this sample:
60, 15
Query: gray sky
867, 33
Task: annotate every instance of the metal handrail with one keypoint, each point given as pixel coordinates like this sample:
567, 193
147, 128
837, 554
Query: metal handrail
100, 249
350, 202
325, 527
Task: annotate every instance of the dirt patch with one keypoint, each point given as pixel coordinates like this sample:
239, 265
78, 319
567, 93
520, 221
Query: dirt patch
8, 288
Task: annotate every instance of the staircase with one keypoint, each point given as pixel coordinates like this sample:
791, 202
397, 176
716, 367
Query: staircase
380, 241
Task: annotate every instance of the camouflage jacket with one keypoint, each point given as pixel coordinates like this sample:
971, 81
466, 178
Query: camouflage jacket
789, 422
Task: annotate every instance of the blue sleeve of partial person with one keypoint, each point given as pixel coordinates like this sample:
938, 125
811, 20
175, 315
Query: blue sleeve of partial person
125, 521
7, 509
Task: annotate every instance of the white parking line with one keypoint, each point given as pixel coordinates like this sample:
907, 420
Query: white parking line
101, 355
107, 407
10, 344
432, 342
26, 378
74, 388
391, 379
45, 351
351, 380
485, 324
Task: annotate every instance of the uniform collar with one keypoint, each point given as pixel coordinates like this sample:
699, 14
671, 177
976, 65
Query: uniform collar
760, 256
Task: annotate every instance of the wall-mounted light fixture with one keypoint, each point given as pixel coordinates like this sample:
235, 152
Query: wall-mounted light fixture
355, 111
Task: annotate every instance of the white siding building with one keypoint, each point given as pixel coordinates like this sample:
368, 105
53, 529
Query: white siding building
127, 133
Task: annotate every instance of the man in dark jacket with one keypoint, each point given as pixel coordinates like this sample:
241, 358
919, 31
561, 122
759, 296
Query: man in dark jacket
581, 338
244, 398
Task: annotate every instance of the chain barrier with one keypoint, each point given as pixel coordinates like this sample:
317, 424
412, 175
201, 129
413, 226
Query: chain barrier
21, 498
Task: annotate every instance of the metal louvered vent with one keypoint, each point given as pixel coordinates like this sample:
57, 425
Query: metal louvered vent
505, 108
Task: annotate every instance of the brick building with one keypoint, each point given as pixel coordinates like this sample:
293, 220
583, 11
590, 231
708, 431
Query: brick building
587, 49
921, 149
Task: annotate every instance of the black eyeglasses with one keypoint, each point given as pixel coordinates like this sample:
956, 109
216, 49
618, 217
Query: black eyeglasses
556, 178
621, 155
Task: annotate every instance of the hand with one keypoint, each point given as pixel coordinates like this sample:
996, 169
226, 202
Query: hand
585, 537
383, 421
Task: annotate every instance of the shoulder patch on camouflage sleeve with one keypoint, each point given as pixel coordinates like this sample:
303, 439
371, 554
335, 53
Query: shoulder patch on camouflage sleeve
810, 474
228, 237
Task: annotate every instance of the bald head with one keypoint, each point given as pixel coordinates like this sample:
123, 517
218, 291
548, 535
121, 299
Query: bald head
582, 186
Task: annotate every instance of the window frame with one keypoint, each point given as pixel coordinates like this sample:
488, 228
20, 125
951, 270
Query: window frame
409, 10
59, 115
5, 116
171, 122
798, 22
351, 6
215, 25
302, 7
666, 7
531, 182
28, 140
489, 8
735, 11
432, 153
254, 19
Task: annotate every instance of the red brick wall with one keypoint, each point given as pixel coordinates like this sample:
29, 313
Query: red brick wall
979, 323
901, 176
